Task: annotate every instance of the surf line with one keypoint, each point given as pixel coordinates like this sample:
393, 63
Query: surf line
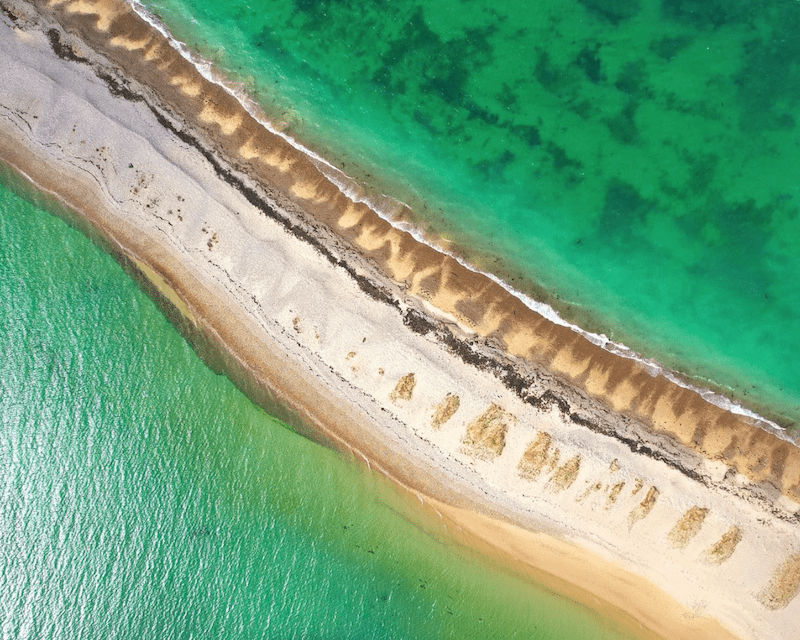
354, 191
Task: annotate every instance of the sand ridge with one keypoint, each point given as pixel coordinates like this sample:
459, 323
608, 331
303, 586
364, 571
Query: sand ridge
480, 306
524, 442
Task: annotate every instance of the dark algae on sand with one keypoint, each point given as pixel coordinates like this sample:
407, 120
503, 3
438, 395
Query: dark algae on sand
145, 496
632, 163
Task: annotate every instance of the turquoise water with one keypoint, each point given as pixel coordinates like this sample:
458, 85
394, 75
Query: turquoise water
144, 497
634, 162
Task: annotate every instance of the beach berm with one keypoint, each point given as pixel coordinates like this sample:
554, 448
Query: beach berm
554, 456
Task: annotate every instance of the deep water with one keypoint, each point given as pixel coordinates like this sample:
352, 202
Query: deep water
143, 496
634, 162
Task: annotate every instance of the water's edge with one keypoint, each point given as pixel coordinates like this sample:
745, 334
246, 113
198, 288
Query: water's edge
397, 213
415, 322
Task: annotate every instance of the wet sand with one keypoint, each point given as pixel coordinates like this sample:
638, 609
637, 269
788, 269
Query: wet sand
541, 446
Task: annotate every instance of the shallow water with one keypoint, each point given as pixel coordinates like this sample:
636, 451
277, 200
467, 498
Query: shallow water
144, 496
636, 160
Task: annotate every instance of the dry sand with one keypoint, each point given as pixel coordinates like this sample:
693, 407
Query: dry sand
551, 455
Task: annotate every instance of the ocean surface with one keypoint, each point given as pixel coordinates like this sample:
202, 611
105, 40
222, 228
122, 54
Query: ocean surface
633, 163
144, 496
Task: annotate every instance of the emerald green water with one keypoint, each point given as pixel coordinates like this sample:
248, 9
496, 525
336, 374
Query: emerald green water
635, 159
144, 497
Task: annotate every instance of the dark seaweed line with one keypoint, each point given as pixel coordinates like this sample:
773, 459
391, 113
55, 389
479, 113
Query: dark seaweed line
502, 370
119, 89
519, 384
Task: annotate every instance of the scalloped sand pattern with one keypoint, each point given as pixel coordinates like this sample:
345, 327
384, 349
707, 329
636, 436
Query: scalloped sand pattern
478, 303
687, 527
475, 301
784, 586
486, 435
445, 410
566, 433
723, 549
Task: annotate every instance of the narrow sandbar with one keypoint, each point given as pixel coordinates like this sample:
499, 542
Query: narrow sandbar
557, 456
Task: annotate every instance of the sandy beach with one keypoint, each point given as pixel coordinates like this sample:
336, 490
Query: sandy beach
564, 462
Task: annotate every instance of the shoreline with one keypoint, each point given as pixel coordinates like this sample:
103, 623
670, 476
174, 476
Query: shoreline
447, 335
429, 512
539, 300
402, 217
458, 520
419, 269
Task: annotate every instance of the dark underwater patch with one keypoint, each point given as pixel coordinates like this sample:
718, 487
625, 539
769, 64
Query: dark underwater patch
623, 207
634, 80
667, 48
560, 158
622, 126
708, 14
589, 62
614, 11
443, 67
768, 82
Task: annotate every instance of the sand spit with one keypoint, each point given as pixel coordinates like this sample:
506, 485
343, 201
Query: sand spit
663, 509
468, 303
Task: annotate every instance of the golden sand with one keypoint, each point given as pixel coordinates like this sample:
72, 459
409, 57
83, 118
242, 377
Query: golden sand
784, 585
687, 527
474, 300
692, 435
536, 455
404, 388
445, 410
724, 548
486, 435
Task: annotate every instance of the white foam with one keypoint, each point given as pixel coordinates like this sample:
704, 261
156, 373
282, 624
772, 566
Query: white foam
390, 207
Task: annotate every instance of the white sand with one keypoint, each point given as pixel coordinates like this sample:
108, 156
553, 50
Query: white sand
302, 328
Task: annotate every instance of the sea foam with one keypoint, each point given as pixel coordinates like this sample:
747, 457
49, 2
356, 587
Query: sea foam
388, 208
